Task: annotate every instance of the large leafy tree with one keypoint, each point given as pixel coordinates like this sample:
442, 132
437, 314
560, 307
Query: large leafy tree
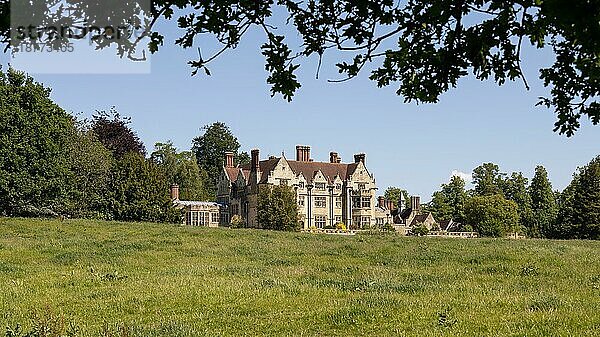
421, 47
115, 134
277, 208
394, 193
579, 215
492, 215
140, 191
543, 203
210, 147
34, 132
488, 180
449, 202
181, 168
90, 169
514, 188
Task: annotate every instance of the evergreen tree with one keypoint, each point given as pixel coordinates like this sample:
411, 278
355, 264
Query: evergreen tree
543, 202
277, 208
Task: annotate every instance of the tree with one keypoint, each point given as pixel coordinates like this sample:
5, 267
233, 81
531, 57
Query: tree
543, 204
140, 191
492, 215
181, 168
514, 188
422, 47
277, 208
579, 214
90, 166
487, 179
114, 133
393, 194
33, 134
210, 148
449, 202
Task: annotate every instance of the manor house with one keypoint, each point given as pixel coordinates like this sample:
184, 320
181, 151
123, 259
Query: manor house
327, 193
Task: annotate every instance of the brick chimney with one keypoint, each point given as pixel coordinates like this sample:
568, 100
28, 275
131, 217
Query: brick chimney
302, 153
175, 192
228, 159
334, 157
415, 203
360, 157
255, 161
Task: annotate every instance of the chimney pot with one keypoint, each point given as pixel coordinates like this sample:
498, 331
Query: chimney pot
175, 192
229, 159
333, 157
302, 153
360, 157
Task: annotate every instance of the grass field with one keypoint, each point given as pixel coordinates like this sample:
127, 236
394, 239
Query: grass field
112, 279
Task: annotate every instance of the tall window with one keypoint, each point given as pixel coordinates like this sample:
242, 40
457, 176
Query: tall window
320, 186
338, 202
365, 221
366, 202
320, 221
301, 200
355, 202
338, 219
214, 217
320, 202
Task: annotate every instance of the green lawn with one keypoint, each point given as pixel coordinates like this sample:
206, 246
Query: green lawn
147, 279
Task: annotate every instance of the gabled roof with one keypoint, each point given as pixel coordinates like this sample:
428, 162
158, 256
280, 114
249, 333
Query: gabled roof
329, 170
232, 173
420, 218
307, 169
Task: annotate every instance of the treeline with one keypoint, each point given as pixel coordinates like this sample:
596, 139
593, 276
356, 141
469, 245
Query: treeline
53, 164
502, 203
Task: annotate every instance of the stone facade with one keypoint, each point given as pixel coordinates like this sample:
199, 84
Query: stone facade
327, 193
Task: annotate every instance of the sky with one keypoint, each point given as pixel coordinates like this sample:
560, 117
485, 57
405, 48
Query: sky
415, 147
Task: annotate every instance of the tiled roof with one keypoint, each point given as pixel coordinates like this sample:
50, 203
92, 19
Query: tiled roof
232, 172
420, 218
329, 170
307, 169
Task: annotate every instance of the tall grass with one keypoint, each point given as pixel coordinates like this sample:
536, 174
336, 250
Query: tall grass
89, 278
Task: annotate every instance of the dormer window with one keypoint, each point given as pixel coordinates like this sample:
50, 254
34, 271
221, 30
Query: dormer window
362, 187
301, 184
338, 186
320, 186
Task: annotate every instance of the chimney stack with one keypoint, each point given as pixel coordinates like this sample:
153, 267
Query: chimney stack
360, 157
415, 203
229, 159
175, 192
334, 157
302, 153
255, 163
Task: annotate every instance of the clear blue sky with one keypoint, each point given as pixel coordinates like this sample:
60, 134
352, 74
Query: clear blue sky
412, 146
